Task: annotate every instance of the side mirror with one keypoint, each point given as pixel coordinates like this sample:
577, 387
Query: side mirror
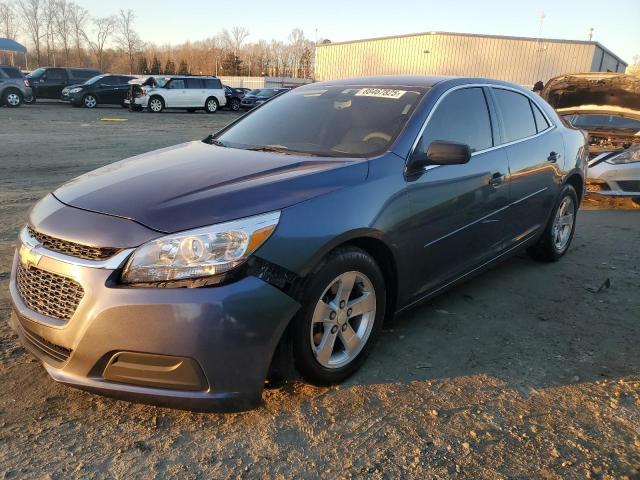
442, 152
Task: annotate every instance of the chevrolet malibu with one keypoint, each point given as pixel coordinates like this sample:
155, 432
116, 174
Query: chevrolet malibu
191, 275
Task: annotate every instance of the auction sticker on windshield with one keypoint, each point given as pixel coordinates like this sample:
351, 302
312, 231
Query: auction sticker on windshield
380, 93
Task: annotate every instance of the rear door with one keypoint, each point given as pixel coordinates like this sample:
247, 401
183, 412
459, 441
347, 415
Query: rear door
458, 211
52, 83
196, 94
535, 149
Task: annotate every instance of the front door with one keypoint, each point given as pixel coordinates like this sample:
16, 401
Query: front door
52, 83
176, 93
458, 211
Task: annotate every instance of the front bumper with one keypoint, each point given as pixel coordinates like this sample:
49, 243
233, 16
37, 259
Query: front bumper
229, 333
614, 180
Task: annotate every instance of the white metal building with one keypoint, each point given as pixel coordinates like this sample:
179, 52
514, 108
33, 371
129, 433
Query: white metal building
516, 59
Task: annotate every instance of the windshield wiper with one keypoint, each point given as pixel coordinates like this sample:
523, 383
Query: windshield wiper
213, 141
275, 149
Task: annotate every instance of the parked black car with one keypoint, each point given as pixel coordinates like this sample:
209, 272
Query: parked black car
234, 97
14, 88
189, 275
101, 89
259, 96
48, 82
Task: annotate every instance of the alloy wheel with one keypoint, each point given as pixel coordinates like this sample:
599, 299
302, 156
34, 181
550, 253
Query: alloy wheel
212, 105
563, 224
343, 319
235, 105
90, 101
13, 99
155, 105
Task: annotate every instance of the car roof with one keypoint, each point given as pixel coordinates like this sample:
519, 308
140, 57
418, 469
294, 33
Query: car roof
411, 81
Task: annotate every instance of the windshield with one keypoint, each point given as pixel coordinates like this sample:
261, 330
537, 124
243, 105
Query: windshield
93, 80
331, 121
267, 92
37, 73
604, 121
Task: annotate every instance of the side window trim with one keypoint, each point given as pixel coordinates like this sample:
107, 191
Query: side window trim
492, 105
534, 108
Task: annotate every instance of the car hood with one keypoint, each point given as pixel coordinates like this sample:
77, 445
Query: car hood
594, 92
196, 184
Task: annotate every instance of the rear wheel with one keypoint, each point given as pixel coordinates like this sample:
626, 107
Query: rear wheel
89, 101
557, 236
343, 310
156, 105
12, 98
234, 104
211, 105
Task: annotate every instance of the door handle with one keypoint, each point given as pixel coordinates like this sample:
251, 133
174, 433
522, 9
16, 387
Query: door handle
553, 157
496, 180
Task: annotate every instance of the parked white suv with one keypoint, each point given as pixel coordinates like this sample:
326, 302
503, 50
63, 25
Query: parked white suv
190, 93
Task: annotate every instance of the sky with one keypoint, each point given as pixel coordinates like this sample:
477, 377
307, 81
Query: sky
616, 23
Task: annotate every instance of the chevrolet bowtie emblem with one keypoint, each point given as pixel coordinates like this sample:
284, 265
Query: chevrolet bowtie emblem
28, 257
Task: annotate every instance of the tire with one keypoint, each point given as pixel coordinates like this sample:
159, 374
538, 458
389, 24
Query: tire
156, 104
211, 105
557, 236
89, 101
326, 319
12, 98
30, 100
234, 105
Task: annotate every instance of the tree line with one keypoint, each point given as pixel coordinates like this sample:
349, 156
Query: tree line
63, 33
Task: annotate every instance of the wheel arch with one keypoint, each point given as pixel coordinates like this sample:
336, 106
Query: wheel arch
576, 180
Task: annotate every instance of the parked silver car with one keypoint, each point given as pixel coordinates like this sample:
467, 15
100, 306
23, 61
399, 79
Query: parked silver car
14, 88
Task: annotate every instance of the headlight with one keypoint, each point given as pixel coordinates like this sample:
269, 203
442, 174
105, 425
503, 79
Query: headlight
202, 252
75, 90
630, 155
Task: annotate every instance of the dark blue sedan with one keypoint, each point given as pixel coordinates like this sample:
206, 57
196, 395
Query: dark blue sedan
190, 275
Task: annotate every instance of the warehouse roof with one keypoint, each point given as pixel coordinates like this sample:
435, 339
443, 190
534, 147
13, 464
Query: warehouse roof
480, 35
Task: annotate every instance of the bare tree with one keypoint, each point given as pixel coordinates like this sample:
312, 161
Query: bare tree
297, 45
49, 15
64, 26
103, 29
78, 17
32, 15
127, 38
8, 20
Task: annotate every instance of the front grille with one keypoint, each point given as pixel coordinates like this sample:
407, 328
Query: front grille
72, 249
47, 293
629, 185
45, 347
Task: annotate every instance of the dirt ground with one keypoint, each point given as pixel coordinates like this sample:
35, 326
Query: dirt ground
529, 371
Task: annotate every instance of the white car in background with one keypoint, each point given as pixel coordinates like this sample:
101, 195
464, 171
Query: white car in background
607, 107
181, 92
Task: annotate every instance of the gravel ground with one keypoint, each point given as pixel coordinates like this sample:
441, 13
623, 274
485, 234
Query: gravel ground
524, 372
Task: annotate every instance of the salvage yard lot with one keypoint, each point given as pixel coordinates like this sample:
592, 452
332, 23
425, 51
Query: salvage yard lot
531, 370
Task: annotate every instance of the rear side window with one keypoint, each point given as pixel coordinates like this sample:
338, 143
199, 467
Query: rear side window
212, 83
110, 81
462, 116
541, 122
78, 73
516, 114
194, 83
12, 72
55, 74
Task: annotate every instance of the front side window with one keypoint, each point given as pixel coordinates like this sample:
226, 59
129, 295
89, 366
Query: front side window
517, 116
335, 121
463, 117
176, 83
55, 74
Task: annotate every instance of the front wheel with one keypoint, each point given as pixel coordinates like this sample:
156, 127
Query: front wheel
234, 105
211, 105
89, 101
156, 105
343, 307
557, 236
